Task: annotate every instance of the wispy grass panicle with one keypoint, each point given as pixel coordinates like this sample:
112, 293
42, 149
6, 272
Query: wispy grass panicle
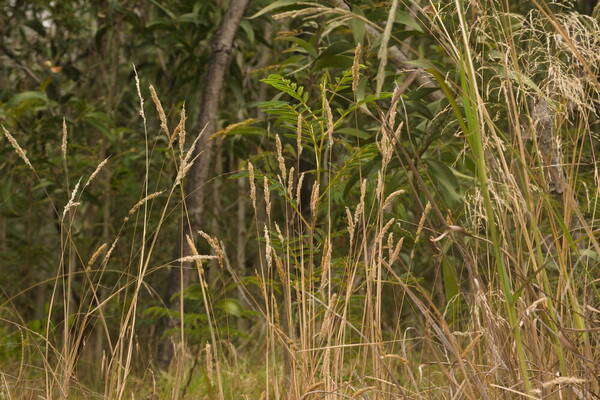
110, 251
140, 203
72, 203
356, 67
314, 198
252, 183
280, 159
267, 196
268, 248
99, 168
179, 133
360, 208
350, 225
290, 183
63, 143
101, 249
161, 112
382, 54
327, 115
194, 258
215, 246
187, 161
19, 150
141, 111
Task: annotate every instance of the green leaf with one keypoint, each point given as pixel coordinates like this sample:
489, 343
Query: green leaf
446, 180
99, 120
248, 30
353, 132
287, 86
189, 18
157, 312
310, 49
425, 64
163, 8
231, 307
27, 98
42, 184
337, 48
591, 255
358, 30
273, 6
335, 61
404, 18
361, 173
419, 108
160, 23
247, 131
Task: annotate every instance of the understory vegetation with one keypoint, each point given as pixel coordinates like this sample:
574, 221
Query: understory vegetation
300, 200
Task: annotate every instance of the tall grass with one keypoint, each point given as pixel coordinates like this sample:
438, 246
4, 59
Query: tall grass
512, 308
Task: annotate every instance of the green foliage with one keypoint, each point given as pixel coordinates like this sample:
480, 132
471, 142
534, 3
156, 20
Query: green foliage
287, 86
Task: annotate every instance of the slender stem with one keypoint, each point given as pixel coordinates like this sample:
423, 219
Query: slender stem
474, 137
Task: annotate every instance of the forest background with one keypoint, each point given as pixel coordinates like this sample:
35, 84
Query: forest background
299, 200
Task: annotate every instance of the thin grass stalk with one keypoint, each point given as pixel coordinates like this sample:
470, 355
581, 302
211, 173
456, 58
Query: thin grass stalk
209, 313
534, 243
474, 137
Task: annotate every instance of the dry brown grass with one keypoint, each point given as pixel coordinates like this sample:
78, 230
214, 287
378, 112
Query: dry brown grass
363, 326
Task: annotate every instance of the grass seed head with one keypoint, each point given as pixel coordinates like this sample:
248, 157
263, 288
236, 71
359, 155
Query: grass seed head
101, 249
20, 152
161, 112
63, 145
252, 185
267, 195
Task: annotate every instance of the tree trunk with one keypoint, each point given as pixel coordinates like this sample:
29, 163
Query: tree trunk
222, 48
195, 188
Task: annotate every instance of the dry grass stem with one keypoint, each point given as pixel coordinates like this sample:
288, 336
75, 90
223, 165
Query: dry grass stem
299, 188
299, 136
564, 380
